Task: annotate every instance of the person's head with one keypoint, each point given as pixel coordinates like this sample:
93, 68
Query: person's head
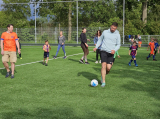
134, 43
46, 42
152, 39
61, 33
99, 33
114, 27
10, 28
84, 30
155, 40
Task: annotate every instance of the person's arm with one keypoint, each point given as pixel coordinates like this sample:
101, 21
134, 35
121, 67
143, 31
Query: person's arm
130, 50
49, 47
95, 41
118, 44
136, 53
44, 48
148, 46
2, 51
63, 40
100, 40
17, 44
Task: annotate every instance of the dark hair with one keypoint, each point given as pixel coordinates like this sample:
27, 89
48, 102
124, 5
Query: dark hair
155, 40
135, 42
9, 25
115, 24
99, 32
46, 41
83, 29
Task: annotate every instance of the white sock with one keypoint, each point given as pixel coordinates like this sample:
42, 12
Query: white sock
86, 59
82, 58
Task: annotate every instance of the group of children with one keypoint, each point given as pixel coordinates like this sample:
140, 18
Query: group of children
153, 45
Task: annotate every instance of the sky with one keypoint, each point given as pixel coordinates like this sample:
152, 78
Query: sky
32, 10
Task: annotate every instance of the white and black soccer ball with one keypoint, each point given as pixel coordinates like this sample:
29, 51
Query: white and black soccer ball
94, 83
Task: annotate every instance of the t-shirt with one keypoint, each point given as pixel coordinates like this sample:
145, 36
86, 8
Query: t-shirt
156, 45
9, 40
151, 44
133, 50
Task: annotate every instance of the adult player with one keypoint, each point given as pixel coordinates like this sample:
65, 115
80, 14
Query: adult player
61, 41
84, 45
9, 40
110, 40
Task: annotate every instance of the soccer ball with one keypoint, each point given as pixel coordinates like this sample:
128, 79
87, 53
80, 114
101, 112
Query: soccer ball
94, 83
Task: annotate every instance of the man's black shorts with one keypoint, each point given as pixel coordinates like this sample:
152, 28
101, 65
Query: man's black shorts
106, 57
46, 54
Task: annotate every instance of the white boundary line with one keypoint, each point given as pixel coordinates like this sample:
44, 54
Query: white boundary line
42, 60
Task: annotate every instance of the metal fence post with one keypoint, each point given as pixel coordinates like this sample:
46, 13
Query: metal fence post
148, 38
16, 30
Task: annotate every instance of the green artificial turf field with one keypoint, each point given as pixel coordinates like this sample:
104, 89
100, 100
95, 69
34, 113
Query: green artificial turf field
62, 89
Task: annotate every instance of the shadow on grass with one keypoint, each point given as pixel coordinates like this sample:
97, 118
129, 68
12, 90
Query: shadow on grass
4, 71
52, 113
90, 76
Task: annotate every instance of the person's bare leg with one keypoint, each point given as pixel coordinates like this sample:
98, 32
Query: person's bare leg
12, 67
6, 66
103, 71
108, 68
47, 60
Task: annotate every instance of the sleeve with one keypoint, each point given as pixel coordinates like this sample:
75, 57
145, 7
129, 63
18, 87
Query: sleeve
149, 43
83, 38
15, 36
64, 39
118, 44
2, 36
94, 40
100, 40
130, 48
117, 53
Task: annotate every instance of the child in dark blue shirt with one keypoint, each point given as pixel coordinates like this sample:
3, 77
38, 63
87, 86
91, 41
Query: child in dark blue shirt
133, 53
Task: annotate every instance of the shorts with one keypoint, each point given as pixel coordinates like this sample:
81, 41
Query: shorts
113, 60
133, 56
9, 56
152, 52
46, 54
140, 42
106, 57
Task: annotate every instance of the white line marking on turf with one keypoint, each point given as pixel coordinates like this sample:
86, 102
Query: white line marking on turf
42, 60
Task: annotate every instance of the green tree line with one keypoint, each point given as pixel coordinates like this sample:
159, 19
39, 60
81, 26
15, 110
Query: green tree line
141, 16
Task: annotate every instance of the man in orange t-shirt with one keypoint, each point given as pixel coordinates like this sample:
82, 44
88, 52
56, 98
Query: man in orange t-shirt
9, 40
151, 46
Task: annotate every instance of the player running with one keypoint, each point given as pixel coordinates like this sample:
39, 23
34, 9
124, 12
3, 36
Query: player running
152, 47
61, 41
46, 48
133, 54
110, 40
84, 45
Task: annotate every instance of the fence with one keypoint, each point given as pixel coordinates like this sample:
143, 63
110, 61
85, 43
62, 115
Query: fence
27, 35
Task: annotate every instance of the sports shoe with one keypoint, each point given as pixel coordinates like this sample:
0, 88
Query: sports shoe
86, 63
129, 64
154, 60
103, 84
21, 58
54, 57
96, 62
136, 65
81, 61
64, 57
43, 63
7, 75
99, 61
46, 64
147, 58
12, 76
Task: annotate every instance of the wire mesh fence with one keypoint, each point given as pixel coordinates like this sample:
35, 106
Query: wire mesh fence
28, 35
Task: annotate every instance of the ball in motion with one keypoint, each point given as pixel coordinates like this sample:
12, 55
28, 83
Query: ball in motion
94, 83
